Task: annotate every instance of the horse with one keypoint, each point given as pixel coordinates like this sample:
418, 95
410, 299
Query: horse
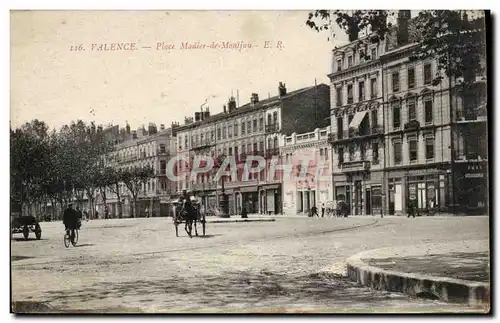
190, 215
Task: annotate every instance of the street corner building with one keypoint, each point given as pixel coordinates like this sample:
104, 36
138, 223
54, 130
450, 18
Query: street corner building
397, 138
257, 128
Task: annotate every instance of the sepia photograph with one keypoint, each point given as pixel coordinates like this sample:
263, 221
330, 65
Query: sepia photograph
319, 161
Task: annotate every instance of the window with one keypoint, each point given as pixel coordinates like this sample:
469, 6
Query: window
224, 132
412, 109
429, 148
428, 110
362, 149
162, 148
395, 82
163, 167
276, 144
411, 77
373, 88
361, 91
374, 53
230, 132
375, 152
374, 119
269, 143
261, 146
351, 152
255, 148
218, 134
261, 123
255, 125
212, 136
397, 152
349, 94
396, 115
275, 118
242, 128
339, 65
269, 119
249, 148
235, 129
321, 153
340, 127
427, 73
236, 150
339, 96
341, 155
349, 61
230, 151
413, 149
249, 127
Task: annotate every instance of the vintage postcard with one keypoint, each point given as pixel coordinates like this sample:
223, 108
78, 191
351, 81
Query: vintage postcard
318, 161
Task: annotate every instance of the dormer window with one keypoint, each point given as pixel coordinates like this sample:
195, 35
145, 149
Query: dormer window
349, 61
339, 65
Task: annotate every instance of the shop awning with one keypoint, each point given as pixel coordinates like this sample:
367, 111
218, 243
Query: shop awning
357, 119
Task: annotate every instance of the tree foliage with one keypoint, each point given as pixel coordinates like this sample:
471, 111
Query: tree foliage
134, 179
455, 38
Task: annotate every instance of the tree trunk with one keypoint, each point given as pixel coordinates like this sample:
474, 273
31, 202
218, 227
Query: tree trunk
134, 205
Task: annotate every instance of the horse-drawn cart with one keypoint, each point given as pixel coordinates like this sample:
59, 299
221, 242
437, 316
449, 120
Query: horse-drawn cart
25, 224
180, 217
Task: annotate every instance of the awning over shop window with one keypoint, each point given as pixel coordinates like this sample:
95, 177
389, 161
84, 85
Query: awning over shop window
357, 119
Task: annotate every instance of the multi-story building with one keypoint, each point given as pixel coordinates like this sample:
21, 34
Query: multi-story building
252, 129
300, 193
357, 126
139, 149
433, 142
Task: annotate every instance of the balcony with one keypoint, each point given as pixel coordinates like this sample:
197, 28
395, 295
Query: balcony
471, 115
272, 128
126, 159
207, 186
461, 157
355, 166
412, 125
272, 152
202, 144
162, 152
352, 134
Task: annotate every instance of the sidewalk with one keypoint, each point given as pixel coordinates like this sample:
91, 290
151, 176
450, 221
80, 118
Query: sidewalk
455, 272
238, 219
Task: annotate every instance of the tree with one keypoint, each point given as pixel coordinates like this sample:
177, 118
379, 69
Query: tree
104, 179
114, 178
133, 179
455, 38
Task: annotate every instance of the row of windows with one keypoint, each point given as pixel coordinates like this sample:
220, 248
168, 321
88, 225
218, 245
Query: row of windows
411, 104
352, 153
354, 59
230, 131
360, 91
147, 152
413, 150
411, 83
323, 155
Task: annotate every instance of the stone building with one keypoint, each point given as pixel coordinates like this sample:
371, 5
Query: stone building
251, 129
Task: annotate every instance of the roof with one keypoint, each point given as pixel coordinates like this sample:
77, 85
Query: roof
248, 107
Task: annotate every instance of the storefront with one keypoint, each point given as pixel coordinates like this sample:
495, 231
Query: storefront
361, 190
250, 199
472, 187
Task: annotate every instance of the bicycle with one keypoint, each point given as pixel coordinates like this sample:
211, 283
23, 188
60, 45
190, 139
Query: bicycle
67, 237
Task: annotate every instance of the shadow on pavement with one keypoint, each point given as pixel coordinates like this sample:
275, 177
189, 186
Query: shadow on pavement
15, 258
84, 245
240, 289
29, 239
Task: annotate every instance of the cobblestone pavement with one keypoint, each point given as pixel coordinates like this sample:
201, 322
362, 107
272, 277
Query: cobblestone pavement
292, 264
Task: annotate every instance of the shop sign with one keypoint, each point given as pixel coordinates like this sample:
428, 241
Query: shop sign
474, 175
412, 192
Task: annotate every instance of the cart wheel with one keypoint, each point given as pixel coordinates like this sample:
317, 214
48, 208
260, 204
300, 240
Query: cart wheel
26, 232
38, 231
75, 239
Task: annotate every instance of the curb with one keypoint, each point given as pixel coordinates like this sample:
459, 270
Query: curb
445, 289
242, 220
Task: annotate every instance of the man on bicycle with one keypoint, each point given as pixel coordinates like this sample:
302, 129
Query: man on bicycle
70, 220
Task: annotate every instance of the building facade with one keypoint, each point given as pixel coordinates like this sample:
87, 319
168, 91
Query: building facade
252, 129
423, 143
141, 148
301, 193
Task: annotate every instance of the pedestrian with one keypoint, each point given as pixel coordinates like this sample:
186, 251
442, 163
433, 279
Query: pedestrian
314, 210
323, 210
411, 209
244, 213
106, 213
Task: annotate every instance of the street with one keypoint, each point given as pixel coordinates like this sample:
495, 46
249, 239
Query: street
293, 264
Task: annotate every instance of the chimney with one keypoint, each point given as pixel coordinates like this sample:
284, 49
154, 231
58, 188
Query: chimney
127, 129
225, 109
353, 32
197, 117
134, 134
254, 98
188, 120
403, 22
282, 89
206, 114
231, 104
152, 128
162, 127
99, 129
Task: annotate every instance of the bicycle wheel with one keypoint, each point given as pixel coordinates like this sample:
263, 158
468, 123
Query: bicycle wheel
67, 239
75, 238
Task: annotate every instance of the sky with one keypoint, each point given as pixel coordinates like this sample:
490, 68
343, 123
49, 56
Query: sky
56, 84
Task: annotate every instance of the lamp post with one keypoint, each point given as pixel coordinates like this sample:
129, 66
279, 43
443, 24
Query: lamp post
223, 202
